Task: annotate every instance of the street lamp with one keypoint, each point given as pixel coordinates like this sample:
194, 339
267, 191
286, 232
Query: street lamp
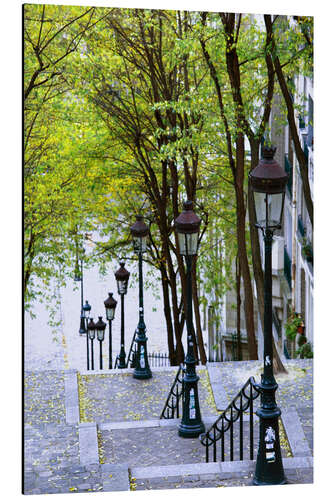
122, 277
85, 314
139, 232
268, 182
92, 334
100, 330
187, 227
110, 307
78, 276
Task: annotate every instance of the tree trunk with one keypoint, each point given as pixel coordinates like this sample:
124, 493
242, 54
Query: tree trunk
167, 315
301, 158
239, 302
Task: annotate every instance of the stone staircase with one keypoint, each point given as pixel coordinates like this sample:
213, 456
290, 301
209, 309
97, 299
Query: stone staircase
125, 446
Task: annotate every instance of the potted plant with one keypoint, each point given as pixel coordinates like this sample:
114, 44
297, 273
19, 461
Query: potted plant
301, 328
294, 322
305, 350
307, 251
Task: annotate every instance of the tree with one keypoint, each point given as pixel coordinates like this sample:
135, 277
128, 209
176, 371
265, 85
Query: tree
147, 105
306, 31
52, 177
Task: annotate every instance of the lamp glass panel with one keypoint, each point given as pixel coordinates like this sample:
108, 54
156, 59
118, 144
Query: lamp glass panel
122, 287
192, 243
188, 243
86, 313
182, 246
109, 313
260, 207
269, 208
275, 206
140, 244
91, 334
100, 334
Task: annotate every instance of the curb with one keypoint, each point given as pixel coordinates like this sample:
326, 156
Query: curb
88, 444
220, 396
295, 434
71, 397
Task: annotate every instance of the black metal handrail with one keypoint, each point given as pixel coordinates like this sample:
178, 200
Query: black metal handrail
225, 422
171, 407
131, 357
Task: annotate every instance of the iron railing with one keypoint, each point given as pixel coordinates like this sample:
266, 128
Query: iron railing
301, 122
157, 359
287, 267
306, 150
171, 407
300, 226
289, 170
226, 422
286, 350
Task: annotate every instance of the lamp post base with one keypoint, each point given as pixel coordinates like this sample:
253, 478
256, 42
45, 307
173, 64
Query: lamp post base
257, 482
122, 363
190, 431
191, 424
142, 374
142, 368
269, 467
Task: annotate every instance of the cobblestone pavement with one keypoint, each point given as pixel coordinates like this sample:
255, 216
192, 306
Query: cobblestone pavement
44, 397
50, 444
51, 447
73, 479
162, 446
295, 387
112, 398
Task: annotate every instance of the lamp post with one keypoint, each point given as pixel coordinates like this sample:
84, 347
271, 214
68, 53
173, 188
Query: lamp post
100, 330
86, 312
92, 334
110, 307
187, 227
78, 276
139, 232
268, 181
122, 277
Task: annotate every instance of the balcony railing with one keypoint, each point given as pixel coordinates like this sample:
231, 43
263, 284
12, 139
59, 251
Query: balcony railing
300, 227
301, 122
289, 170
287, 267
306, 150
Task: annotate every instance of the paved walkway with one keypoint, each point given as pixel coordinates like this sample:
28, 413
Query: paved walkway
117, 397
65, 451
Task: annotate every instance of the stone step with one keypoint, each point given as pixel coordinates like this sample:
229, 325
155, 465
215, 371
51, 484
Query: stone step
214, 474
156, 442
